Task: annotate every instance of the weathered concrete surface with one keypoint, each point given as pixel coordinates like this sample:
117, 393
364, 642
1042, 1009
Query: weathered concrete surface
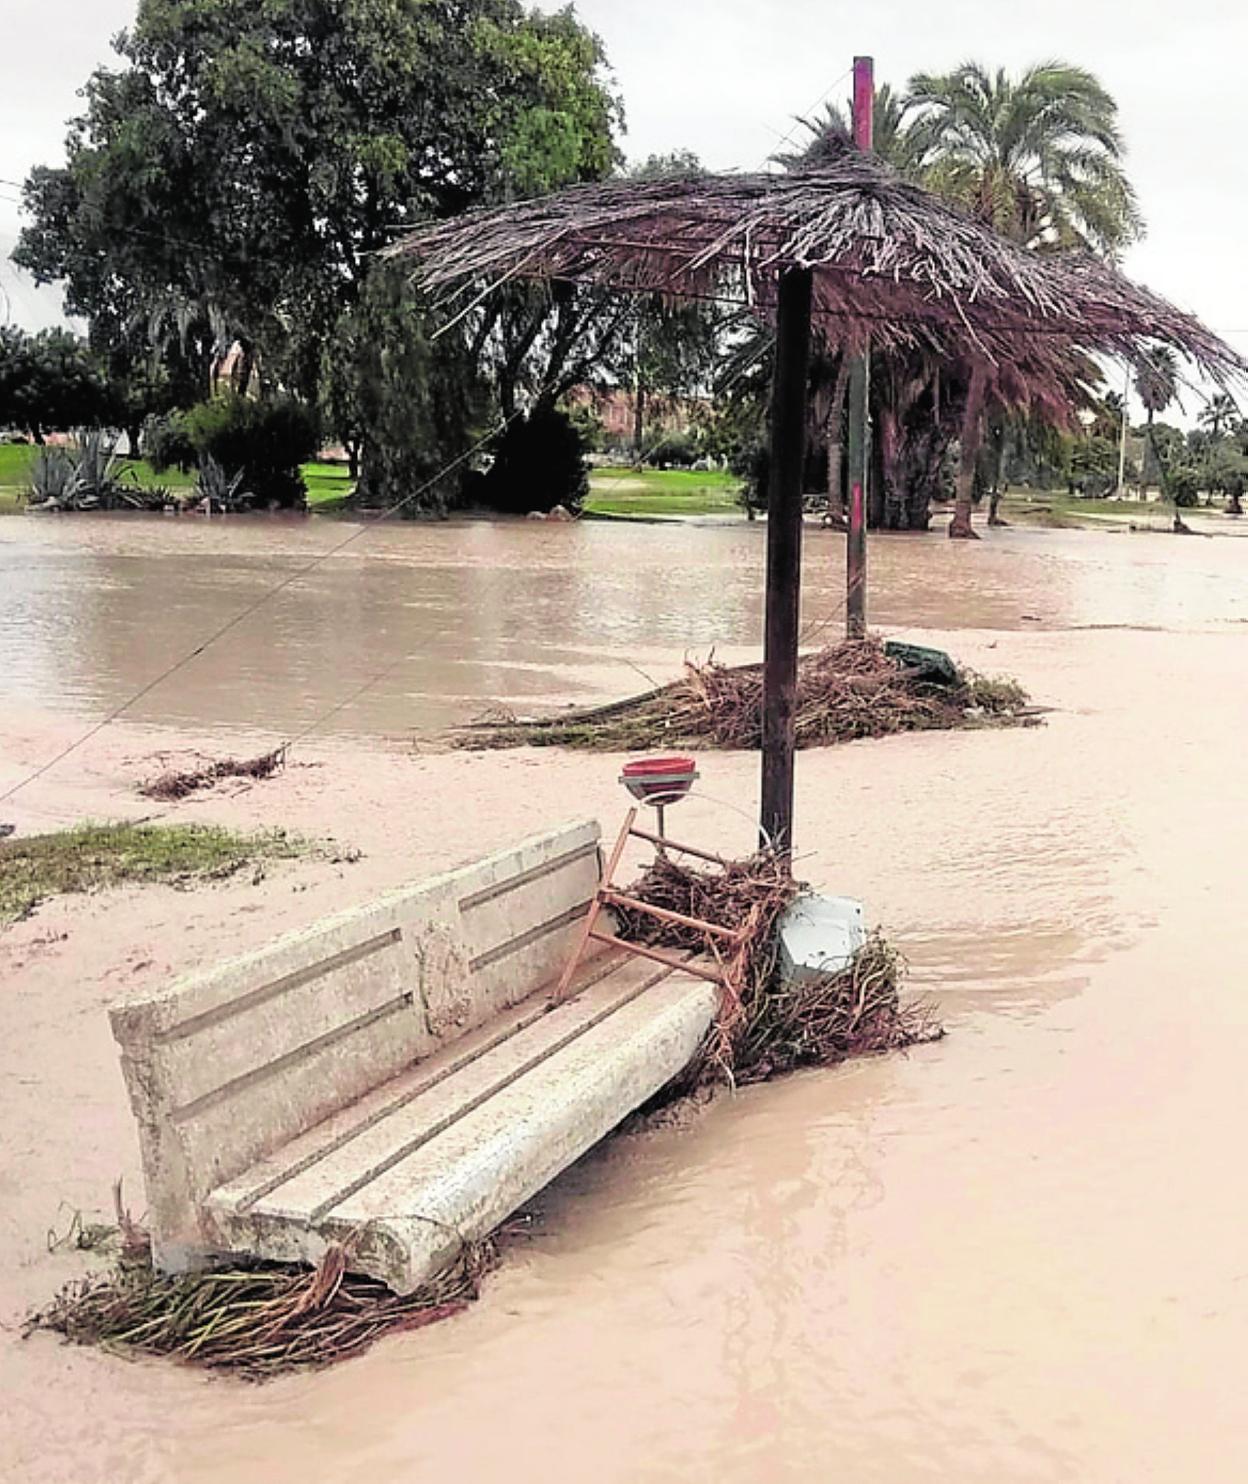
448, 1151
226, 1067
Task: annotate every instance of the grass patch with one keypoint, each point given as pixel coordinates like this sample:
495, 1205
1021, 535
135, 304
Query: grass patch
90, 857
330, 486
623, 491
1059, 510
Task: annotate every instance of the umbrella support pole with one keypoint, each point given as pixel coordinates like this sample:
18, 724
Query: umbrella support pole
784, 557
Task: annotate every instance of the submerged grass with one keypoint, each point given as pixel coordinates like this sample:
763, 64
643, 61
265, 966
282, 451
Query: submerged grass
91, 856
846, 691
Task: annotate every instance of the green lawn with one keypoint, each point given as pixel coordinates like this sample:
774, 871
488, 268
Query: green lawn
329, 487
328, 484
624, 491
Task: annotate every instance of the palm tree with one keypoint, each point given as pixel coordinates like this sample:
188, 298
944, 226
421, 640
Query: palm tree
895, 140
1219, 415
1040, 159
1157, 385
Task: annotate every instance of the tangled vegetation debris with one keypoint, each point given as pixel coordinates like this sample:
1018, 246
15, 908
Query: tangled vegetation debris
849, 690
256, 1321
174, 785
766, 1026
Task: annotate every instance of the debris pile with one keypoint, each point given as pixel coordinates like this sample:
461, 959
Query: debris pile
768, 1027
859, 688
257, 1321
174, 785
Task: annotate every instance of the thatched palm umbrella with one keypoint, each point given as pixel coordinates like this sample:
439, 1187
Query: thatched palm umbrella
877, 261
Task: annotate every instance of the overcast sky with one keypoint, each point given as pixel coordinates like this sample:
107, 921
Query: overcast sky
725, 77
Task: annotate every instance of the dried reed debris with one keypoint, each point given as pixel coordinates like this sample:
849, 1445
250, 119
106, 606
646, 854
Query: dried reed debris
256, 1321
174, 785
844, 692
766, 1026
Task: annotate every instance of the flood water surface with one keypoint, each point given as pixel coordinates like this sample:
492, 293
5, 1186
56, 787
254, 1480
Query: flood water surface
413, 626
1018, 1255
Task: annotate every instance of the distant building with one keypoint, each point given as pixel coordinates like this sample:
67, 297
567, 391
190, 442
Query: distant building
617, 411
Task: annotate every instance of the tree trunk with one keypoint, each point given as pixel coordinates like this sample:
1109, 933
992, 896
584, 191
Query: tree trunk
960, 527
134, 437
838, 513
999, 435
244, 368
639, 422
353, 458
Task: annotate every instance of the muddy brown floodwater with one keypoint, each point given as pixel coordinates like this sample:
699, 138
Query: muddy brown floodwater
1018, 1255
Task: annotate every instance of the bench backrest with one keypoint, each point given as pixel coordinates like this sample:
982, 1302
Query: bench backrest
225, 1066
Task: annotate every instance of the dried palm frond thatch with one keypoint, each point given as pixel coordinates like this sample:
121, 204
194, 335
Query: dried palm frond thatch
893, 264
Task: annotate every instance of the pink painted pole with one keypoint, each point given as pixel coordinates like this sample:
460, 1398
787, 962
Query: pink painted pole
864, 103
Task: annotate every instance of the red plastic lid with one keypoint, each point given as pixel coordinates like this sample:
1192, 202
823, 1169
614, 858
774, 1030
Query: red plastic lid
644, 767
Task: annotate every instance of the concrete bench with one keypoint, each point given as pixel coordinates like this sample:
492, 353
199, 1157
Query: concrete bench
397, 1074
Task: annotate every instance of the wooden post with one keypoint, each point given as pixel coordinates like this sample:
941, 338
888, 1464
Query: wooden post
859, 397
784, 554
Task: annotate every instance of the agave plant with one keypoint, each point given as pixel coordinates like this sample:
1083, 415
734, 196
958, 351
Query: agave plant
98, 472
219, 490
52, 478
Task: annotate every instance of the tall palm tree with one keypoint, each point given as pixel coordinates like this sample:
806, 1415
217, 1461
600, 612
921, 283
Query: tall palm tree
827, 137
1219, 415
1038, 157
1157, 385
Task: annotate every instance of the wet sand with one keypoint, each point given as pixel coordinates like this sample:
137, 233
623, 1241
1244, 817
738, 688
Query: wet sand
1017, 1255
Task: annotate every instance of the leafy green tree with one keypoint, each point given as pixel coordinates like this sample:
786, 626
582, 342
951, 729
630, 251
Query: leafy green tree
1226, 473
231, 183
48, 382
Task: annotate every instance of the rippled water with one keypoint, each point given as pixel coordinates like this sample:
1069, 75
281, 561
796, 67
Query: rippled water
435, 620
1018, 1255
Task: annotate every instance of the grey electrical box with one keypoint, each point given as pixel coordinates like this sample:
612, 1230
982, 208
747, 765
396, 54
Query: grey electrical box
820, 935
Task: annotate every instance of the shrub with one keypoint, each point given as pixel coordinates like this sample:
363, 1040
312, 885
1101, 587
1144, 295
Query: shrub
219, 489
1183, 486
88, 476
675, 451
52, 476
266, 441
539, 463
167, 444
